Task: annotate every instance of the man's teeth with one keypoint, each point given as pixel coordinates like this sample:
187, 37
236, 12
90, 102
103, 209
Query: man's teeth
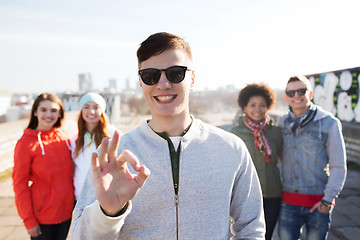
164, 98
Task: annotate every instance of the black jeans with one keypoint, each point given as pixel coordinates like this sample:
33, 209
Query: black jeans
54, 231
271, 211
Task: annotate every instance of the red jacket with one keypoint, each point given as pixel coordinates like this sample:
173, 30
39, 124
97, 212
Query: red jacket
44, 159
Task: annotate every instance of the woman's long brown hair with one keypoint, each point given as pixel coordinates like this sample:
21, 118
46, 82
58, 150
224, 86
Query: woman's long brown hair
33, 121
100, 132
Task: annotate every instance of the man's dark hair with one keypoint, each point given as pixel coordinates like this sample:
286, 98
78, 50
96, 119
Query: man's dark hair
158, 43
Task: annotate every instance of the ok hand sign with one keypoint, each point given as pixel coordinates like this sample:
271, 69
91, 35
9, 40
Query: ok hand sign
114, 184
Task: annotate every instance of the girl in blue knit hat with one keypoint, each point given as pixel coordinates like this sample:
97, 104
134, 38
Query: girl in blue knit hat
93, 126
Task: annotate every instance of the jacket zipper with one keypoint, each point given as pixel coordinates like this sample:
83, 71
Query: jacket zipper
41, 206
175, 163
177, 216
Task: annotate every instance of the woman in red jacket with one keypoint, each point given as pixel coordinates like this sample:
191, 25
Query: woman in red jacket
43, 172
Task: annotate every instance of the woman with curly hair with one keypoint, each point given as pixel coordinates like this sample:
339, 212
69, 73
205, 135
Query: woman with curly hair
264, 142
93, 126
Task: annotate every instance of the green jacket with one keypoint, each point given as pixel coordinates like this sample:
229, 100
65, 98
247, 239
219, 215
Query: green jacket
268, 173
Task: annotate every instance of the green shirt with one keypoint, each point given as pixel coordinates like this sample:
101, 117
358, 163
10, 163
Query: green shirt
175, 159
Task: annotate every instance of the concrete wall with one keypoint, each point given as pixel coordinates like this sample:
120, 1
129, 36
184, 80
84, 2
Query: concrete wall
352, 141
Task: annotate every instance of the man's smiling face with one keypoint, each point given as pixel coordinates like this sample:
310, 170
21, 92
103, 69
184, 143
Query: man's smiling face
298, 103
168, 99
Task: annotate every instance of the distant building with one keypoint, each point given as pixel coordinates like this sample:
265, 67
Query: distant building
127, 84
5, 103
85, 82
112, 86
14, 106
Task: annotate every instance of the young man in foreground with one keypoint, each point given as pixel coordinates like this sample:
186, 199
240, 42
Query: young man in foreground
314, 164
203, 184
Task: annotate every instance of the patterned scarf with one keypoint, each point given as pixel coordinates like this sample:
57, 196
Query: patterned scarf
260, 141
296, 123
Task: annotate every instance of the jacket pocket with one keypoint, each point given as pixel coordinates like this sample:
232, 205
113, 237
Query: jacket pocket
38, 196
315, 141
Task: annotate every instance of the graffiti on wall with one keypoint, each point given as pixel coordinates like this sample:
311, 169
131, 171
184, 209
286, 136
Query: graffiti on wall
338, 92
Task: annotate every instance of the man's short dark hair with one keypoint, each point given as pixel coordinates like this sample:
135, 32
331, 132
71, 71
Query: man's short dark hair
157, 43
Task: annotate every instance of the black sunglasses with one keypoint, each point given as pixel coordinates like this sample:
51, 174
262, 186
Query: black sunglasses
300, 92
174, 74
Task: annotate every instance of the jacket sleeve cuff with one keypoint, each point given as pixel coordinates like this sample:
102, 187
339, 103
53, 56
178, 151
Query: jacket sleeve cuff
329, 199
30, 223
104, 223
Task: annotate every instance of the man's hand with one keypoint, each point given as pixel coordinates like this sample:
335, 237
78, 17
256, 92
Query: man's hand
114, 184
34, 231
320, 207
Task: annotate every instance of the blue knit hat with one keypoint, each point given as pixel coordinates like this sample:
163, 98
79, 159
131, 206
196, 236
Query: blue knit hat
93, 97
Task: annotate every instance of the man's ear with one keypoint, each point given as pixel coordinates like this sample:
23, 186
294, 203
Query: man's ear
140, 81
192, 80
311, 95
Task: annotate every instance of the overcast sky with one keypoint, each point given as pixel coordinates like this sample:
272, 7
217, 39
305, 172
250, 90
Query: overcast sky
44, 45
